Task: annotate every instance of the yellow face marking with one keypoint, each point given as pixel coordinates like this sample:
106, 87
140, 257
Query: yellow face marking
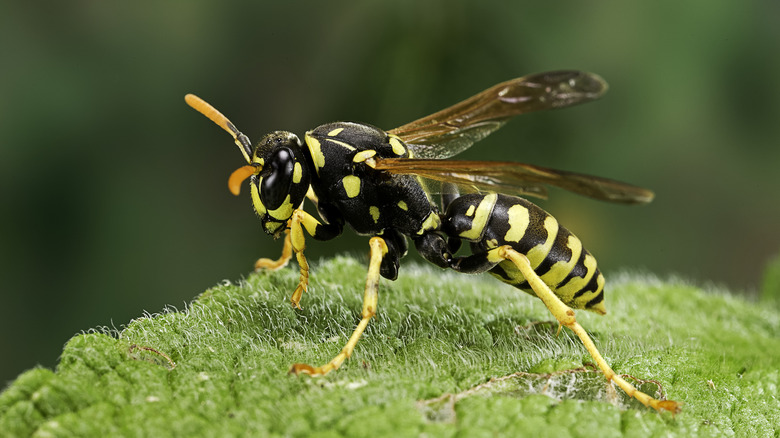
470, 211
342, 144
351, 185
518, 223
402, 205
432, 222
297, 173
484, 209
561, 269
537, 254
374, 212
315, 148
335, 132
398, 146
273, 226
284, 211
363, 156
258, 204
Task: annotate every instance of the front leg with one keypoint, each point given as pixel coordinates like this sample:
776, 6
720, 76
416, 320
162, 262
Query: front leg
287, 250
378, 251
300, 220
295, 243
264, 264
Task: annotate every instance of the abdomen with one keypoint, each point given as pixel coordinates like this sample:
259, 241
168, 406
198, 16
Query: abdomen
556, 254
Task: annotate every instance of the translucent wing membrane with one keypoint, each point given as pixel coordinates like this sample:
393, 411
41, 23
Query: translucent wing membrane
516, 178
454, 129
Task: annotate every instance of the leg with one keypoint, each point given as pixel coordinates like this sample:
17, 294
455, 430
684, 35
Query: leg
287, 250
396, 248
298, 244
295, 243
565, 317
378, 251
281, 262
432, 247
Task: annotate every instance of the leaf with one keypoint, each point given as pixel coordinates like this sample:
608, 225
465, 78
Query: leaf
424, 366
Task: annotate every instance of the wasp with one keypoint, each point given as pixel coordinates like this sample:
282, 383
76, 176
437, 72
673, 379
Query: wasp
382, 184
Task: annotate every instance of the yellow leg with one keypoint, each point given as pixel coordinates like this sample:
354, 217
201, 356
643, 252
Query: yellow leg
298, 243
281, 262
378, 251
294, 243
565, 317
287, 250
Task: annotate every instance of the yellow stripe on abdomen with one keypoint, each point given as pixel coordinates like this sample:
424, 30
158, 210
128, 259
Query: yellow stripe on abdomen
537, 254
566, 292
561, 269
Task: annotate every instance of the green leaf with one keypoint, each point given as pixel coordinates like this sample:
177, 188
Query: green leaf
770, 290
448, 354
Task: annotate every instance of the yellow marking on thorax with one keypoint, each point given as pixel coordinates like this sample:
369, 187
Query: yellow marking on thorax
402, 205
363, 156
374, 212
351, 185
335, 132
431, 222
561, 269
519, 218
470, 211
297, 173
315, 148
342, 144
398, 145
538, 253
484, 209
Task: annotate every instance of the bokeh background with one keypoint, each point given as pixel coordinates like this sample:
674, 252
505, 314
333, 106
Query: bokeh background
113, 191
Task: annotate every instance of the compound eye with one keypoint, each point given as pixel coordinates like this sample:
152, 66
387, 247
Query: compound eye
276, 184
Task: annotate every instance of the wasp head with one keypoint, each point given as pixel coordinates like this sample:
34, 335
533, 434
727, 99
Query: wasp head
277, 167
280, 179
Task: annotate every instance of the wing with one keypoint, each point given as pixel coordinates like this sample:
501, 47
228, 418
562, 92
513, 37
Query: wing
454, 129
516, 178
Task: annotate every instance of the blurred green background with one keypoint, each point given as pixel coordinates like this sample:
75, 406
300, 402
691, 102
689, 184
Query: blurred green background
114, 196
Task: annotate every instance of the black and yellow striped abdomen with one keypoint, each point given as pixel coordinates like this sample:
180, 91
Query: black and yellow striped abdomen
556, 255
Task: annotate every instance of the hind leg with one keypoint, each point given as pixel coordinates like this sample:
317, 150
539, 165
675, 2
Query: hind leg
565, 316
